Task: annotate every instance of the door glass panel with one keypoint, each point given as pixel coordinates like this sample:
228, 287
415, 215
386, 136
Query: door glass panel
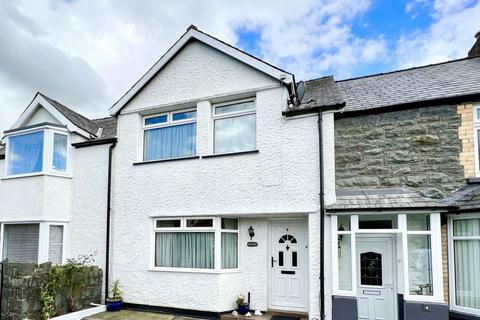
371, 269
280, 259
294, 259
343, 223
377, 221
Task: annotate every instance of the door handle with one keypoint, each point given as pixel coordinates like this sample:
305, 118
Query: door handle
273, 260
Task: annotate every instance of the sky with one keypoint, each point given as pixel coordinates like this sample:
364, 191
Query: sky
88, 53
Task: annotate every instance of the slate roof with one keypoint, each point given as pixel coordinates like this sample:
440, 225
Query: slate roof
109, 127
80, 121
465, 198
320, 92
386, 198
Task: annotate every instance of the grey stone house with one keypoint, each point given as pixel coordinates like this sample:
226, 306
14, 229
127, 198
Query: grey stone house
405, 228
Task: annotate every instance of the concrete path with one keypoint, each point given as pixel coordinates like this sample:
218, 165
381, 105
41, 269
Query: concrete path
135, 315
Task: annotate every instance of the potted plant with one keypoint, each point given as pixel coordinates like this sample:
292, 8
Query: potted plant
242, 304
115, 302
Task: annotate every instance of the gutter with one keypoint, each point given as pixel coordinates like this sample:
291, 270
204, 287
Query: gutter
95, 142
314, 109
109, 209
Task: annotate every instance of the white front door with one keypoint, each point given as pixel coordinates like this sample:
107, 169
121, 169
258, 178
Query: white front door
289, 265
375, 278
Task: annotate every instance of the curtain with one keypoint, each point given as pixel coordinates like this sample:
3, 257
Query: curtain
21, 242
60, 152
467, 263
25, 153
170, 142
235, 134
229, 250
55, 244
185, 249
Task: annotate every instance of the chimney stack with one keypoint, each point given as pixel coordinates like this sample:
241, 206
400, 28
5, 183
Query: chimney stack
475, 51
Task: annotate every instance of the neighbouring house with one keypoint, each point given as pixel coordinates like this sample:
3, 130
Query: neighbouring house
406, 221
53, 184
215, 171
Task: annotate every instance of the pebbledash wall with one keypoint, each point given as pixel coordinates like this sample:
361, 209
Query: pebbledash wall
280, 180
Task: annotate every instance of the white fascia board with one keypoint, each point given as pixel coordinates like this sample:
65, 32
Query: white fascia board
32, 108
255, 63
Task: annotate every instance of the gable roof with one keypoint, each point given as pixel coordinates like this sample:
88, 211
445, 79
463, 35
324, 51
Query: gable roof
193, 33
383, 198
80, 121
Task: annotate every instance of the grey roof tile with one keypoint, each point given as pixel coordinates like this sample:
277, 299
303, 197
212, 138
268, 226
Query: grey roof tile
320, 92
383, 198
465, 198
109, 127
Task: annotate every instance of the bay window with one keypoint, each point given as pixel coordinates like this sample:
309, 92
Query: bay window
234, 127
195, 243
464, 255
170, 135
35, 152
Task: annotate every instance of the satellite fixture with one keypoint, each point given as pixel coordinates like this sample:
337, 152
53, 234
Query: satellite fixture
300, 92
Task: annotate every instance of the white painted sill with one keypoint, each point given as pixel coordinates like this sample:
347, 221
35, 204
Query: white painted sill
82, 313
187, 270
20, 176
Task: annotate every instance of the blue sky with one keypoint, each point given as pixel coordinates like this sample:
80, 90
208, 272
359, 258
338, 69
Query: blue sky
87, 53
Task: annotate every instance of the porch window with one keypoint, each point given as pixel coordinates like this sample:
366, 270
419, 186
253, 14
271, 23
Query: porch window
195, 243
55, 244
170, 135
234, 127
344, 241
21, 242
465, 238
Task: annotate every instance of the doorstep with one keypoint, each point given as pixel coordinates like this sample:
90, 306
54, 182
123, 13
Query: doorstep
266, 316
135, 315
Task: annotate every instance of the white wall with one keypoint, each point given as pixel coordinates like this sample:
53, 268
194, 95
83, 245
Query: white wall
40, 116
281, 179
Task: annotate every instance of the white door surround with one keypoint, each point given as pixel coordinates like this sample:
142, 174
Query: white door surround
288, 265
376, 277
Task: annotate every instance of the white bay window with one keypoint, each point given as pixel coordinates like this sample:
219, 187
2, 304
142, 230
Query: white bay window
464, 262
41, 151
195, 244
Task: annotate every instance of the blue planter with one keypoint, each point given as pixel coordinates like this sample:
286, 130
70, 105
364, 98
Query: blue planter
243, 309
114, 305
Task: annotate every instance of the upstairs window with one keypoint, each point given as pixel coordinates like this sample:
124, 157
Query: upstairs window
234, 127
170, 135
41, 151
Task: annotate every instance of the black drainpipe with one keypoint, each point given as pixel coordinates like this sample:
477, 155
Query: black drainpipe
322, 215
109, 208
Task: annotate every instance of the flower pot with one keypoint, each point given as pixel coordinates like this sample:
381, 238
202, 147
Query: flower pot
243, 309
114, 305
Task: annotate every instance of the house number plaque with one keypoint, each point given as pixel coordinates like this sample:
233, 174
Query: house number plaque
252, 244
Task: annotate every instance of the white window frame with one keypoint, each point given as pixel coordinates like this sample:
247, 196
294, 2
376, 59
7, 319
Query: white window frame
216, 229
170, 123
476, 128
47, 161
43, 238
233, 115
451, 262
435, 238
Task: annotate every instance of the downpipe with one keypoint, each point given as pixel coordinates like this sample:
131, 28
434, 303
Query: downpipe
109, 209
322, 215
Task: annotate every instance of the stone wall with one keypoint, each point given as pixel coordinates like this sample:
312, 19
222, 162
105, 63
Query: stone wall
22, 283
417, 148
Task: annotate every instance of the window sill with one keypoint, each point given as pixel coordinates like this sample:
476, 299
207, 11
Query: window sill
231, 154
187, 270
20, 176
165, 160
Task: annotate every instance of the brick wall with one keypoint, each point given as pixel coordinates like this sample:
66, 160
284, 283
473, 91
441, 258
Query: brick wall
445, 262
465, 134
417, 148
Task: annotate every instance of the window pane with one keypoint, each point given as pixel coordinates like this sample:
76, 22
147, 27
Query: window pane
184, 115
170, 142
229, 250
280, 259
235, 134
199, 223
467, 273
420, 265
418, 222
343, 223
229, 224
294, 259
25, 153
168, 223
466, 227
185, 250
239, 107
377, 221
59, 152
155, 120
344, 262
55, 244
21, 242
